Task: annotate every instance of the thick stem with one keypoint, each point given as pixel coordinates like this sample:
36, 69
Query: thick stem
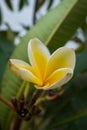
31, 104
8, 103
18, 120
56, 95
34, 98
17, 123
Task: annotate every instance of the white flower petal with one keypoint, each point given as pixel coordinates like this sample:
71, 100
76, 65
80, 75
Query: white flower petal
15, 64
38, 56
62, 58
28, 76
19, 63
58, 78
41, 87
24, 71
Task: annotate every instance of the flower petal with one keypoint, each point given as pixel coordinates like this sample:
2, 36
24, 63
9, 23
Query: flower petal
28, 76
58, 78
19, 63
38, 56
24, 71
62, 58
41, 87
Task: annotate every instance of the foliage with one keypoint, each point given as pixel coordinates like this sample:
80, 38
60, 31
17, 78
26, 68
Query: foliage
69, 111
6, 48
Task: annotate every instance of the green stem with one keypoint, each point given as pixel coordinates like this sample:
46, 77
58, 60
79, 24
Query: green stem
26, 91
21, 91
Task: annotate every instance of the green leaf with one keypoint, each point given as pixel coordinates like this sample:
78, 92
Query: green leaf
81, 64
54, 30
71, 108
8, 2
6, 48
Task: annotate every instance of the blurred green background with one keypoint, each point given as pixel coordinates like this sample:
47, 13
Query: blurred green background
64, 23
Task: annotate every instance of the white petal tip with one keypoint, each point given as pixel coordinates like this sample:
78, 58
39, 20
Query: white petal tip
33, 40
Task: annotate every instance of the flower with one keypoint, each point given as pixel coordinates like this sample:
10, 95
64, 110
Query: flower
46, 71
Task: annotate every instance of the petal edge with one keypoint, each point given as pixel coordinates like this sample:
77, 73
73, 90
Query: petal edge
62, 58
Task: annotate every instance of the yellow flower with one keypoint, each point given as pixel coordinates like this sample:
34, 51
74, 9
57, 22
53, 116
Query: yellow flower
45, 71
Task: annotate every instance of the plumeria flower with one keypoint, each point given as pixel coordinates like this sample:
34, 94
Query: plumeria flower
46, 71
